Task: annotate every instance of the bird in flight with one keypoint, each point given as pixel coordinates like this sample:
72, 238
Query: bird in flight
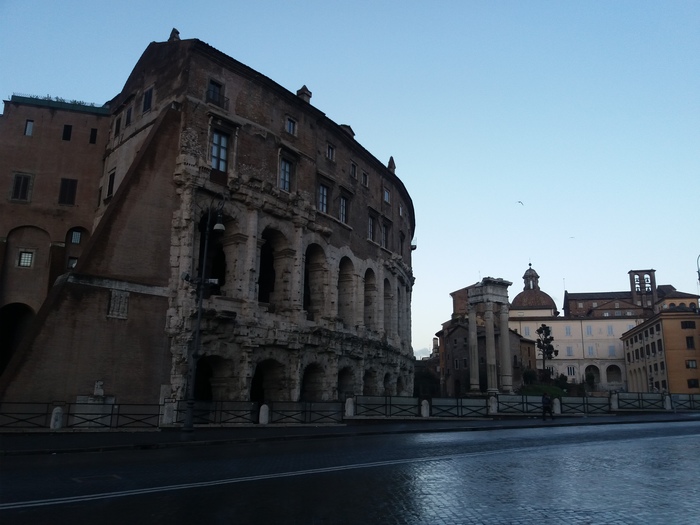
521, 203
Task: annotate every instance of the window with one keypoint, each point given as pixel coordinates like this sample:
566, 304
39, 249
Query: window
365, 179
291, 126
67, 131
68, 190
661, 349
147, 100
526, 331
567, 331
343, 211
127, 119
323, 198
589, 330
570, 350
611, 332
25, 259
330, 152
286, 173
219, 151
691, 363
571, 371
385, 236
118, 304
687, 324
594, 304
75, 236
465, 363
400, 210
662, 366
117, 126
611, 351
110, 184
72, 262
693, 383
591, 351
93, 135
690, 343
215, 94
21, 187
353, 170
370, 228
387, 196
29, 128
456, 364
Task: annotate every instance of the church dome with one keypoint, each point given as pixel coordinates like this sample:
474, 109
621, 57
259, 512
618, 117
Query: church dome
532, 297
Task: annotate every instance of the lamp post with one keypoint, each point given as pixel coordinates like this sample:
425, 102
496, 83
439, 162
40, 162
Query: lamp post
201, 282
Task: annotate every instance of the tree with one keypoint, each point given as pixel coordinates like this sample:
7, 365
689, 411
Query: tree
545, 347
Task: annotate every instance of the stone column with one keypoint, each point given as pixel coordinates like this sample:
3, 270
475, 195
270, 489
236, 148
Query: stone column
251, 266
473, 351
506, 359
491, 375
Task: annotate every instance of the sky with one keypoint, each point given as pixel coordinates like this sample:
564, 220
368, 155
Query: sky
561, 134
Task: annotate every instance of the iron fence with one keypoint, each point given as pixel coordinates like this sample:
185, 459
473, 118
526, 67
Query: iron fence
301, 412
685, 401
387, 406
640, 401
220, 412
459, 407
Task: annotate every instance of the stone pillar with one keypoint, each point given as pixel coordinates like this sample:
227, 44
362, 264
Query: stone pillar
491, 375
506, 360
473, 351
296, 289
251, 266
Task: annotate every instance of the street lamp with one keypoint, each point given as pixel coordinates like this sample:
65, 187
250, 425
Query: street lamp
201, 282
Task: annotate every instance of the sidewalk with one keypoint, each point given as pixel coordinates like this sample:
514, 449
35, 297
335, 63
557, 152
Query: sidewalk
71, 441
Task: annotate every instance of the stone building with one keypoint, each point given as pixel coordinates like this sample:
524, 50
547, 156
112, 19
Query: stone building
50, 166
588, 335
475, 355
228, 203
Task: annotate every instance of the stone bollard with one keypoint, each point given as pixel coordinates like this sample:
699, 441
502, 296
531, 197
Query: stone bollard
667, 402
350, 407
264, 415
556, 406
424, 408
614, 403
57, 418
493, 405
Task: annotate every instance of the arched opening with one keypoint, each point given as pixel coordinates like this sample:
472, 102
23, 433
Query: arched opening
14, 320
388, 386
400, 388
76, 239
614, 374
592, 369
315, 281
312, 384
202, 380
271, 270
369, 383
346, 292
346, 383
212, 377
269, 382
370, 302
211, 261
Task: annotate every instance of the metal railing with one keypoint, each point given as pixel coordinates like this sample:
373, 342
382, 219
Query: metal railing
459, 407
640, 401
220, 412
387, 406
301, 412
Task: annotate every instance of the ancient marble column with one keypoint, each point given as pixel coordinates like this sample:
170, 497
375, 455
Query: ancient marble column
491, 375
506, 359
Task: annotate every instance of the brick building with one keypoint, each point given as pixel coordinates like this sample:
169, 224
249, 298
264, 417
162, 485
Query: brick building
215, 178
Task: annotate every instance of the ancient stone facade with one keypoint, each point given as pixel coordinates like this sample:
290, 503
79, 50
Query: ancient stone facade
231, 204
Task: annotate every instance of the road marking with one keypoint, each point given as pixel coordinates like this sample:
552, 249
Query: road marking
281, 475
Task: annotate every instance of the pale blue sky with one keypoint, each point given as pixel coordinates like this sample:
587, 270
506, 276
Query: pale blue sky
587, 112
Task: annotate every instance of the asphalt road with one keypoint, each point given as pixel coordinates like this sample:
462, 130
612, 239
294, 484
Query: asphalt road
618, 474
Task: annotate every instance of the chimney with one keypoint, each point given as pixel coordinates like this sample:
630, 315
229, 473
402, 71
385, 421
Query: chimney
304, 94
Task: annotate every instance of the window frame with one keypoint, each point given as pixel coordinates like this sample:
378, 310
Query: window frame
287, 168
25, 254
67, 132
216, 159
343, 209
67, 192
322, 198
147, 104
29, 128
23, 193
330, 152
290, 126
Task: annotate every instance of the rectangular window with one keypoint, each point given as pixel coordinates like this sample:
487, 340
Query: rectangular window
291, 126
286, 172
215, 94
580, 305
456, 364
323, 198
691, 363
353, 170
110, 184
611, 351
72, 262
387, 196
591, 351
570, 350
118, 305
25, 259
147, 100
29, 128
526, 331
365, 179
661, 348
571, 371
687, 324
127, 118
589, 330
690, 343
567, 331
67, 131
117, 126
465, 363
219, 151
93, 135
67, 192
370, 228
610, 330
21, 187
400, 210
330, 152
693, 383
343, 211
75, 236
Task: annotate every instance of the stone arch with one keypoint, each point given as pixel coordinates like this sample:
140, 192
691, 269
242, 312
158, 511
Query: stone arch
315, 281
388, 385
272, 267
346, 383
211, 261
14, 320
592, 369
614, 374
388, 308
400, 386
312, 384
28, 284
269, 382
346, 292
370, 302
370, 386
213, 375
